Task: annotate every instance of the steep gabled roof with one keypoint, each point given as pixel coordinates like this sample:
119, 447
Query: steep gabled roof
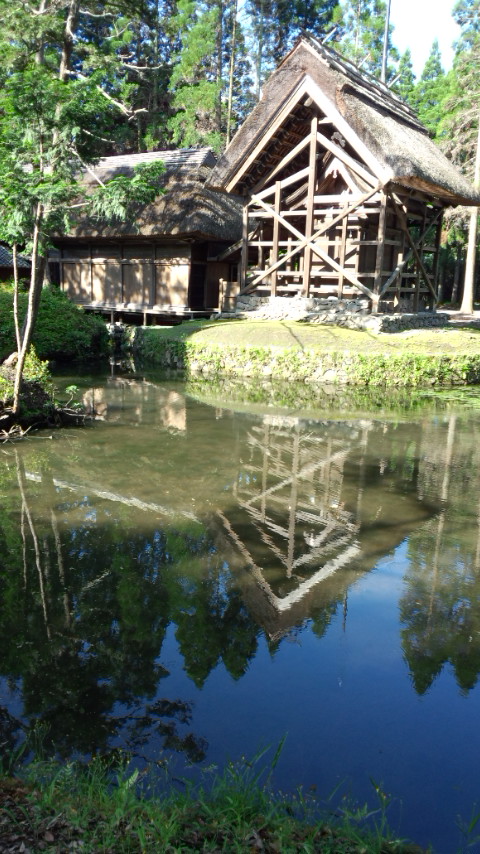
377, 126
187, 208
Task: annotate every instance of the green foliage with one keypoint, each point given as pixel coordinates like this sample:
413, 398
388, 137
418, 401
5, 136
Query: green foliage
362, 35
430, 91
117, 199
153, 347
107, 805
405, 85
63, 331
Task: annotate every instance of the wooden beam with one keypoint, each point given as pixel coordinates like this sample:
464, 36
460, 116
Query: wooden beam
292, 179
244, 256
403, 220
438, 240
342, 155
312, 179
283, 163
276, 233
398, 269
382, 218
314, 246
341, 256
303, 240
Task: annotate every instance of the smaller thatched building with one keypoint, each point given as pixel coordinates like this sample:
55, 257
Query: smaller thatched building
6, 265
163, 263
343, 189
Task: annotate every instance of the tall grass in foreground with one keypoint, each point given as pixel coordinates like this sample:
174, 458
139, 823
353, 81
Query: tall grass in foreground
106, 806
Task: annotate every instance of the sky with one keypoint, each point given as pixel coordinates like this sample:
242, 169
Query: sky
417, 23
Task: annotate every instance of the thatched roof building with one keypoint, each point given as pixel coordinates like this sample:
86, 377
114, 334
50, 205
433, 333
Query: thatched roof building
326, 137
187, 209
165, 260
6, 265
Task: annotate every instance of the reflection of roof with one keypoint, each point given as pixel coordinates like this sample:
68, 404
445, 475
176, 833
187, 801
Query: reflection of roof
6, 259
187, 207
377, 125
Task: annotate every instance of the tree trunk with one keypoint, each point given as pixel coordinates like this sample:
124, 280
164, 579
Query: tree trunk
36, 282
469, 283
231, 70
15, 298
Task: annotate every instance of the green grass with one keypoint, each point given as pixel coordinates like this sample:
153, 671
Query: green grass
103, 807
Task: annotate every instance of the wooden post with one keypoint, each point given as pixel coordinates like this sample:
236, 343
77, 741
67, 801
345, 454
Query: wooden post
312, 180
341, 256
244, 256
377, 285
91, 271
276, 233
436, 260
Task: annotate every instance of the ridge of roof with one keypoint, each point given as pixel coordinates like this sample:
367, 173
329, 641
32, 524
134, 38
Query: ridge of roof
173, 159
362, 81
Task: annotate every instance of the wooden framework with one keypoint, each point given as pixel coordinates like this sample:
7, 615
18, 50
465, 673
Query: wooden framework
343, 188
326, 226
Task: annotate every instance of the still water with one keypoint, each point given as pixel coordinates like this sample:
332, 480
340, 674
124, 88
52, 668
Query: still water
197, 578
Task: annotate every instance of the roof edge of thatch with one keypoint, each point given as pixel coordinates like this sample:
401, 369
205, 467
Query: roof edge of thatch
380, 121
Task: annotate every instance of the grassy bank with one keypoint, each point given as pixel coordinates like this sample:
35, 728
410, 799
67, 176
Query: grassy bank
100, 808
298, 352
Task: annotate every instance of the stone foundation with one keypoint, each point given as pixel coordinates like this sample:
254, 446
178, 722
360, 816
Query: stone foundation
350, 313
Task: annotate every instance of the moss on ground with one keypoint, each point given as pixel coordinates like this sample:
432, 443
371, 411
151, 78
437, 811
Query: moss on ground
312, 353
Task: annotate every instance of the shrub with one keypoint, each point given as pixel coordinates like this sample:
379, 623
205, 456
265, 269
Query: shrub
63, 332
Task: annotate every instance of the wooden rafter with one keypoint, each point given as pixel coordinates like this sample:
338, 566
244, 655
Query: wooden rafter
283, 163
342, 155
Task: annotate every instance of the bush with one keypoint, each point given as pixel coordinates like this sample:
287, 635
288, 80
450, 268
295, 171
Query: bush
63, 332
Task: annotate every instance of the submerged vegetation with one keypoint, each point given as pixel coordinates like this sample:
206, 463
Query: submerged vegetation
109, 806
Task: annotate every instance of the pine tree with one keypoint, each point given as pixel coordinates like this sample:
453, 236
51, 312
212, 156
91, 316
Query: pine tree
405, 82
195, 83
466, 13
363, 35
430, 91
461, 133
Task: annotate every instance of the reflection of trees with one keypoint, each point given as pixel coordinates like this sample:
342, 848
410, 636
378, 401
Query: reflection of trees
440, 608
83, 618
269, 533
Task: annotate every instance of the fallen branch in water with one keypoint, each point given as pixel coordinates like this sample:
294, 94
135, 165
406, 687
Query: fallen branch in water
13, 434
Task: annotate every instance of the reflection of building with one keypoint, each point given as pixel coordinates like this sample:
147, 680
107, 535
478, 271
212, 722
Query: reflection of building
109, 403
312, 512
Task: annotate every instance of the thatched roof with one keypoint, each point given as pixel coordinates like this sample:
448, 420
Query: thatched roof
187, 209
378, 127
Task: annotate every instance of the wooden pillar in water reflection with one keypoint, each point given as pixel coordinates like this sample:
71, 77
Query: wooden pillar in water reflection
293, 502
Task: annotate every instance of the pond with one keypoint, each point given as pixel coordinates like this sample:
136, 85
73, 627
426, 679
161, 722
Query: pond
196, 576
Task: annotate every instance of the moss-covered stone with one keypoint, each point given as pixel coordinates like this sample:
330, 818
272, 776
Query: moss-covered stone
402, 368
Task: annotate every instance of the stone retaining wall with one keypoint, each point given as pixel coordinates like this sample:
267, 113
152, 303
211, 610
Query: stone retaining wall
350, 313
150, 347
